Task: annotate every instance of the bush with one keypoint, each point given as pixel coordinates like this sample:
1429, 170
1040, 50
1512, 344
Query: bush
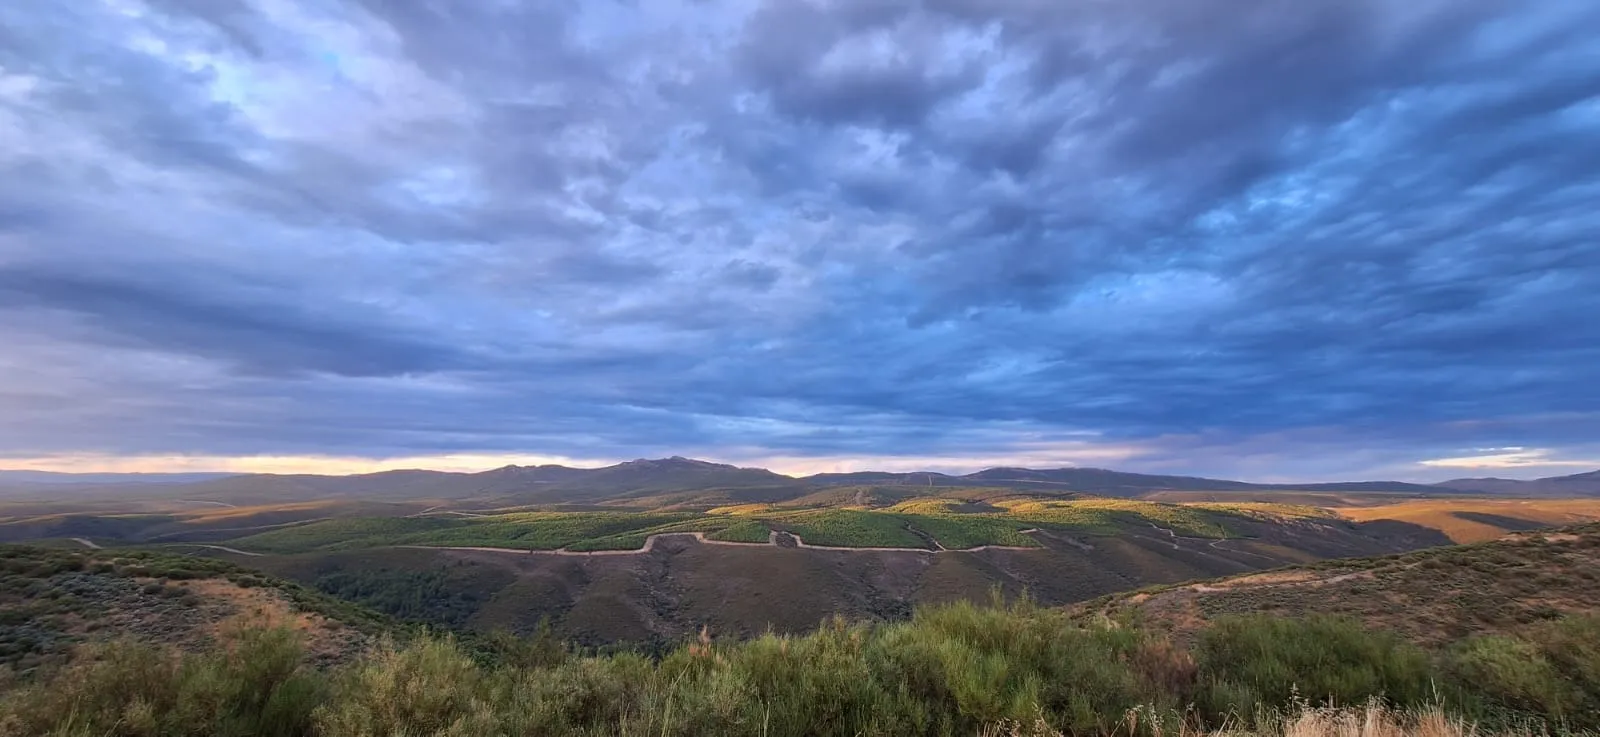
253, 686
952, 670
1571, 647
1248, 664
1513, 674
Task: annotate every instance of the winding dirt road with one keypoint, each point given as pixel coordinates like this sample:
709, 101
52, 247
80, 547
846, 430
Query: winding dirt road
649, 545
1215, 544
223, 548
92, 545
772, 541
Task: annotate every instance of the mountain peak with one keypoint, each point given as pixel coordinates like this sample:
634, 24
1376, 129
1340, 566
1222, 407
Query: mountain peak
672, 462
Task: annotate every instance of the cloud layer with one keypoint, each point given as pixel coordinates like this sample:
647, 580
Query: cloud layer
1312, 239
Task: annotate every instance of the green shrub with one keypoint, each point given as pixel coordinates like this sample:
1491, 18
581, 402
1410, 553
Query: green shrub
1512, 673
960, 669
1258, 662
1572, 647
254, 686
428, 688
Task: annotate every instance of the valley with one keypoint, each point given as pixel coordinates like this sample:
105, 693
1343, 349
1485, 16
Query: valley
654, 551
1489, 638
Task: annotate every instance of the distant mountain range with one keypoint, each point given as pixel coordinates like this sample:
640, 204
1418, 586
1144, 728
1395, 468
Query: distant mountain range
685, 480
53, 477
1581, 484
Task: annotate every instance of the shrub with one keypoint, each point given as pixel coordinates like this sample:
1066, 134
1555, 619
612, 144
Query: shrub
1512, 673
959, 669
1252, 663
253, 686
1572, 647
430, 687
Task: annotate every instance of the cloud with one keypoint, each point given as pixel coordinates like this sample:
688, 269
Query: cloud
1518, 458
1321, 239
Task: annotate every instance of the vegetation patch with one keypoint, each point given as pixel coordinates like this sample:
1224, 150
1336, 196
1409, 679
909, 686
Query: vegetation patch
343, 534
1267, 511
849, 528
959, 532
1108, 516
749, 531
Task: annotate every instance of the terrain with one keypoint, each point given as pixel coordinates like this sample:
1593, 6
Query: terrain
1107, 613
656, 562
1524, 660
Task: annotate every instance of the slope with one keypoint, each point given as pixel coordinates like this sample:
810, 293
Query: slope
1430, 596
679, 583
52, 600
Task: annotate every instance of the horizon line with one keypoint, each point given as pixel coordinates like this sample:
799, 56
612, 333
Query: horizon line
476, 463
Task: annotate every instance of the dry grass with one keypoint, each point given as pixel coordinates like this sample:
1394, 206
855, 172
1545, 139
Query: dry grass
1373, 720
1480, 520
242, 609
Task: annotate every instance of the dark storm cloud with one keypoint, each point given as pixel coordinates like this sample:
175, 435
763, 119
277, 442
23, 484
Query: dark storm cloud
1325, 237
221, 321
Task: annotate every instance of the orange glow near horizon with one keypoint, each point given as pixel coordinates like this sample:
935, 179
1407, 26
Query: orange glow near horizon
1043, 456
1040, 455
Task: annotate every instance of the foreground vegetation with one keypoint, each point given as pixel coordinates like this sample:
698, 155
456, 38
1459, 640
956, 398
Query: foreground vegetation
954, 670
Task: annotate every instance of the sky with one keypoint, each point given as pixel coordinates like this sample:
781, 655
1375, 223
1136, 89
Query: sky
1245, 238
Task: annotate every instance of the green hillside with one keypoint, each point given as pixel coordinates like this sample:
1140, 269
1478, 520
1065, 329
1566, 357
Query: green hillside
927, 523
